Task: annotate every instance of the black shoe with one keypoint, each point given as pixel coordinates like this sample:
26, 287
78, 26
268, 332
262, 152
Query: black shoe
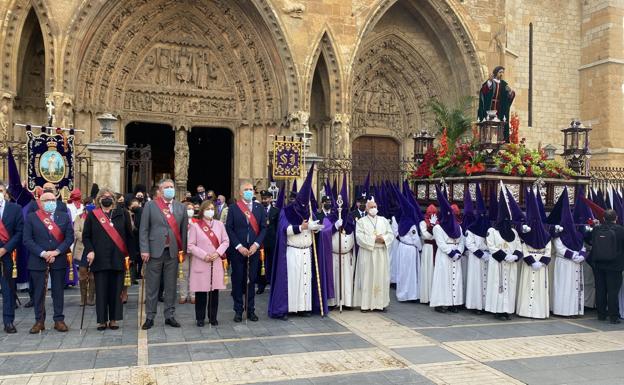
10, 328
453, 309
479, 312
200, 323
29, 304
172, 322
602, 318
148, 324
252, 317
214, 322
305, 314
260, 290
507, 316
440, 309
284, 317
615, 321
161, 299
238, 317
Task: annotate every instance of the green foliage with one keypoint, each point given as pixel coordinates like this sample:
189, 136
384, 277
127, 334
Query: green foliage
457, 118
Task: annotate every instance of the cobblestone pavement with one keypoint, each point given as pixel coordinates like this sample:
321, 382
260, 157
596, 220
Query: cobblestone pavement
408, 344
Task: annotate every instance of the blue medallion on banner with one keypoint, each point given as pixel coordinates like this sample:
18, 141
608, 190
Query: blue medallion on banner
287, 159
50, 159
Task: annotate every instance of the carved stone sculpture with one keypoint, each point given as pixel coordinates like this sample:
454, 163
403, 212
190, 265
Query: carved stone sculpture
4, 119
293, 9
51, 112
341, 132
181, 150
67, 119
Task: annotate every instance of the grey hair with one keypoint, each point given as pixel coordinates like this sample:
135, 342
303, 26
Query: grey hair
165, 180
104, 190
244, 183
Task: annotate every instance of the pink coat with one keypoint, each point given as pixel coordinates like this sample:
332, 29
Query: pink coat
199, 245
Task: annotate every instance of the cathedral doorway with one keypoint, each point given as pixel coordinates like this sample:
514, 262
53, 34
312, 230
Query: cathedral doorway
150, 155
211, 160
377, 154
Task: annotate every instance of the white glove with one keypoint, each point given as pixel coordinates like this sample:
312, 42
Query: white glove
338, 224
486, 256
537, 265
314, 226
433, 220
457, 257
525, 229
577, 258
558, 229
588, 228
511, 258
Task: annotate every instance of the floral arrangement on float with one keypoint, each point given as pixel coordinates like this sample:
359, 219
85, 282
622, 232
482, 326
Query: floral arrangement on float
460, 154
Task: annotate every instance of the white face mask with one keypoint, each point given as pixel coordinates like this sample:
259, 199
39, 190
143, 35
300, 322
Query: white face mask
372, 211
190, 213
208, 214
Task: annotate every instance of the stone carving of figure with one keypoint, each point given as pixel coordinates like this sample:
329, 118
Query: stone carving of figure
183, 72
68, 114
146, 73
50, 109
341, 132
164, 66
181, 156
4, 121
203, 64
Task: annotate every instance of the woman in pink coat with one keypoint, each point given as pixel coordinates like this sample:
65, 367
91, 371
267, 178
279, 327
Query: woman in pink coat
207, 242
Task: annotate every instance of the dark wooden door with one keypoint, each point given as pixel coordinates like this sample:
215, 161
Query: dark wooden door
379, 155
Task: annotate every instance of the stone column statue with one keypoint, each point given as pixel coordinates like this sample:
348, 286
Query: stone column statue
181, 162
5, 120
341, 136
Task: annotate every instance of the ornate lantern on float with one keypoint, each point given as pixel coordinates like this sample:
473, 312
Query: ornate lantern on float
423, 141
274, 190
576, 146
490, 135
549, 150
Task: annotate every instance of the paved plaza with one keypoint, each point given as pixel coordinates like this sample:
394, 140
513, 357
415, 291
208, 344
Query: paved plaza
408, 344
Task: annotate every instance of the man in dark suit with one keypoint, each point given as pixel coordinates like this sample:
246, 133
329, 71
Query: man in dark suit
325, 209
48, 235
11, 228
162, 236
272, 217
360, 210
246, 228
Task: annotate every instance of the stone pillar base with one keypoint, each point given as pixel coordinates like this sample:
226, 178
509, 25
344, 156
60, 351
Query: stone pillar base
106, 164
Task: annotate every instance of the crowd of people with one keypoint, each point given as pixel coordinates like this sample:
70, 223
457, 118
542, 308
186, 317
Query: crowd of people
495, 258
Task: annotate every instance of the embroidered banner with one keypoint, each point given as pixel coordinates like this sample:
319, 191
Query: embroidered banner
50, 158
287, 159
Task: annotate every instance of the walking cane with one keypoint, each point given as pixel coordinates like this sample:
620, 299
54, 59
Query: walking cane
45, 292
142, 294
85, 303
339, 202
210, 296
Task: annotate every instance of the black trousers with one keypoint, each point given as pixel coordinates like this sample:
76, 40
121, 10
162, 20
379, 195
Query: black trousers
239, 281
108, 285
38, 280
608, 285
202, 303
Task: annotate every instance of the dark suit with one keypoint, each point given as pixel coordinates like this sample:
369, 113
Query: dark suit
37, 239
272, 219
108, 265
320, 216
241, 233
14, 224
357, 214
153, 234
608, 277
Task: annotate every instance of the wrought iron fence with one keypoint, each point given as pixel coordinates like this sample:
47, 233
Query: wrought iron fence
604, 177
138, 166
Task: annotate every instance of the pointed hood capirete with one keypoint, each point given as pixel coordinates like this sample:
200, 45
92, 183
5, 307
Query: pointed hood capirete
447, 217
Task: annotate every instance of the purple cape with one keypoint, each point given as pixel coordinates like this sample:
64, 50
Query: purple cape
278, 300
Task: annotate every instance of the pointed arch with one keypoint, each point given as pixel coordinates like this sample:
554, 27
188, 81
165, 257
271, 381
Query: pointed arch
13, 30
249, 29
325, 50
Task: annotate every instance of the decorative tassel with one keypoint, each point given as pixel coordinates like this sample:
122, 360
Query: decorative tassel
262, 269
127, 279
225, 272
181, 260
71, 266
14, 258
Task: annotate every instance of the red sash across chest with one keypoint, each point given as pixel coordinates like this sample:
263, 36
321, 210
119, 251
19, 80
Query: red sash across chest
49, 224
4, 233
171, 221
110, 230
253, 222
207, 230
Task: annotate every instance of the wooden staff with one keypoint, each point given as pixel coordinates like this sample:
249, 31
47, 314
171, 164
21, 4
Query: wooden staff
210, 295
339, 202
247, 291
316, 265
85, 303
142, 294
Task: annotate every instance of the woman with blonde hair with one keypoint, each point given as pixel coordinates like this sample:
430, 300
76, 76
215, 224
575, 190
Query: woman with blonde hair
105, 236
207, 242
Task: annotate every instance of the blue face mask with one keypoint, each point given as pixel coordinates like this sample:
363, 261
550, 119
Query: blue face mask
49, 207
90, 207
169, 192
248, 195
